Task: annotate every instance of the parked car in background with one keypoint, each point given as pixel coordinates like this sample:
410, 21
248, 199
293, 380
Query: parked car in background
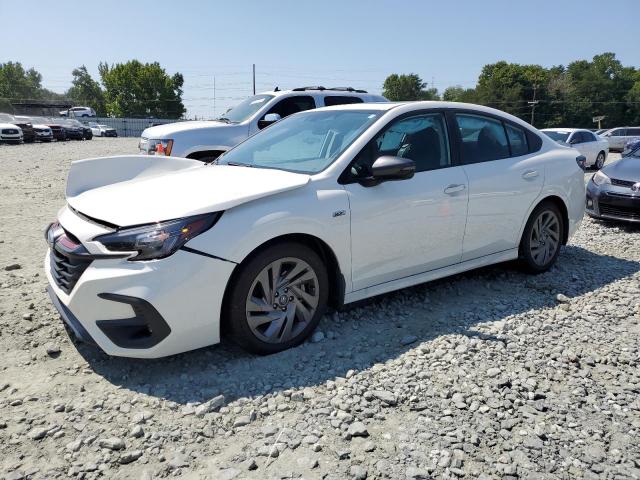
42, 132
100, 130
326, 206
78, 112
614, 192
631, 147
594, 148
10, 133
24, 123
618, 137
206, 140
600, 131
57, 129
73, 129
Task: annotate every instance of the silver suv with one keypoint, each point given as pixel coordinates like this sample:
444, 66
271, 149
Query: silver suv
206, 140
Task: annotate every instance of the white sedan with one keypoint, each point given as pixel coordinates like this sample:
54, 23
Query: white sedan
152, 255
593, 147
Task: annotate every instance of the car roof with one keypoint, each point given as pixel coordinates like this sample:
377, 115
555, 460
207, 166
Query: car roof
320, 90
567, 130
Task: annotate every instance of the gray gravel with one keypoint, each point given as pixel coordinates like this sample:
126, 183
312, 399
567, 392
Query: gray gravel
491, 374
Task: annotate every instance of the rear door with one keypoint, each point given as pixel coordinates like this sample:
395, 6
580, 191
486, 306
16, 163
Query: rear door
504, 180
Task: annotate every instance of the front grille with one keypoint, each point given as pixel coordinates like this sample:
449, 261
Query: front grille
622, 183
66, 270
619, 211
9, 131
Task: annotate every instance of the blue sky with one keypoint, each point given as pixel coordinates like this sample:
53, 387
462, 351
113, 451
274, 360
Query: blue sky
295, 43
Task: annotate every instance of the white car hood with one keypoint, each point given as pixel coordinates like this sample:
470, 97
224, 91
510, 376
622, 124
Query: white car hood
165, 131
167, 188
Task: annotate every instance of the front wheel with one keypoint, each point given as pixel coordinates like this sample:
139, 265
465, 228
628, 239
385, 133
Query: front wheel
542, 238
277, 298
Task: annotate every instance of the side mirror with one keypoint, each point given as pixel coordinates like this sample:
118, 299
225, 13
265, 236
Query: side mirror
387, 168
581, 160
268, 119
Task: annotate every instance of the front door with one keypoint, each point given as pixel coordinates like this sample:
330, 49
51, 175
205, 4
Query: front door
402, 228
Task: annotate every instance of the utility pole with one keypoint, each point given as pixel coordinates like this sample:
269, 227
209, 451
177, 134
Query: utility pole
214, 96
254, 78
533, 104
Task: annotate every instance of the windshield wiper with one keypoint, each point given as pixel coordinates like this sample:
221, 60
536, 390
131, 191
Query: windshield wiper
223, 120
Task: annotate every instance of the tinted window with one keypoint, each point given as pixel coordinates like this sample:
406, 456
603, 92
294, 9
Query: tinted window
633, 131
576, 138
483, 138
422, 138
517, 140
291, 105
588, 137
341, 100
618, 133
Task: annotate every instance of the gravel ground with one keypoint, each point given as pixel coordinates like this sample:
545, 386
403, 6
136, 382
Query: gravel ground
490, 374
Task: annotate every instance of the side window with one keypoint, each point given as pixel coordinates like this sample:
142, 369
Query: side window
340, 100
576, 137
291, 105
588, 137
634, 132
483, 138
619, 132
517, 140
422, 138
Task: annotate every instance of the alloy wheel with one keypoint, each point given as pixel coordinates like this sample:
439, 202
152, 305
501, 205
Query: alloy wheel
282, 300
600, 161
545, 237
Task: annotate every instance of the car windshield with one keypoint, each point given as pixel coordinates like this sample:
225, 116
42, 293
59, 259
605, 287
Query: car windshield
557, 136
246, 108
305, 142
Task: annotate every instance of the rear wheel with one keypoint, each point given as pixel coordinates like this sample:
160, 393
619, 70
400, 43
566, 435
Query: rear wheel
277, 298
542, 238
599, 161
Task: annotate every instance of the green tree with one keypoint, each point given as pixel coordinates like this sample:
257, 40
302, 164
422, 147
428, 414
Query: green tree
134, 89
86, 91
459, 94
599, 87
399, 88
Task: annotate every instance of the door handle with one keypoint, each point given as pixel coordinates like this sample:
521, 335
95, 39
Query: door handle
530, 174
454, 188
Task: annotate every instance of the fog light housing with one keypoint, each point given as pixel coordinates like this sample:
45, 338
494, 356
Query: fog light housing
589, 203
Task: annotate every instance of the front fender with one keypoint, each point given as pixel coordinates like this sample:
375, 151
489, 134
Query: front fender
323, 214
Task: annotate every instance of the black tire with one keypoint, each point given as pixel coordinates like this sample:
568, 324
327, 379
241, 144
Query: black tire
526, 257
599, 161
235, 315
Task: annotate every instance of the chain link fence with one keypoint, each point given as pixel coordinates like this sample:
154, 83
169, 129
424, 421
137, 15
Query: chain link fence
127, 127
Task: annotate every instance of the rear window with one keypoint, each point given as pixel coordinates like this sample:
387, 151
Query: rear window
341, 100
517, 140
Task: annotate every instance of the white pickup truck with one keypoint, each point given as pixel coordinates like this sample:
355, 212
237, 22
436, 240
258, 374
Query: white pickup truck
206, 140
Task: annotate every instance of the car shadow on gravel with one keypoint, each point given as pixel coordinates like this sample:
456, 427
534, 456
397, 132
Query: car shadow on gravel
375, 331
